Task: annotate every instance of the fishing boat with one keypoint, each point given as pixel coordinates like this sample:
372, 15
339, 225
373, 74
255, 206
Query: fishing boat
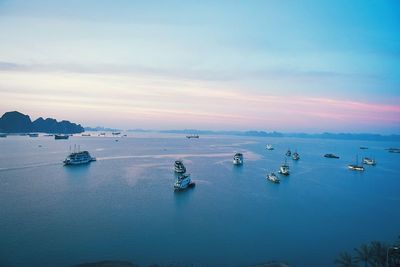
192, 136
295, 156
284, 169
288, 153
78, 158
269, 147
273, 178
61, 136
369, 161
183, 182
179, 167
238, 159
331, 156
33, 135
355, 167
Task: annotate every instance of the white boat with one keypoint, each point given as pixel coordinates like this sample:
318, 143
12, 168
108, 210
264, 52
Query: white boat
77, 158
179, 167
238, 159
273, 178
284, 169
288, 153
183, 182
269, 147
369, 161
295, 156
355, 167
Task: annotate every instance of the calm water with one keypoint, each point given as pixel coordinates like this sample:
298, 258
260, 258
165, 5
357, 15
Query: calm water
123, 207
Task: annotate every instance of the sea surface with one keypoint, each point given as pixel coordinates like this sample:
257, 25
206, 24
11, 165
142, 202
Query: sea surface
123, 207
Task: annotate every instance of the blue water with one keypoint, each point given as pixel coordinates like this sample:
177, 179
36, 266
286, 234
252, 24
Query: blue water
123, 207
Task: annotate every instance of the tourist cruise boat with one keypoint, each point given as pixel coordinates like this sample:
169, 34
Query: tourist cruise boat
369, 161
269, 147
179, 167
183, 182
295, 156
61, 136
273, 178
77, 158
355, 167
238, 159
284, 169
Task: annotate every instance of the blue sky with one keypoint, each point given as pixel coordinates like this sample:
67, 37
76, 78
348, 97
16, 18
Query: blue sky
195, 60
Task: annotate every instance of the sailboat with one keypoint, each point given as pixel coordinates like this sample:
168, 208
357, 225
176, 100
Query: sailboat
355, 167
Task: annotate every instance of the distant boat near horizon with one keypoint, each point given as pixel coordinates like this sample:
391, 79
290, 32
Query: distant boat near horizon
331, 156
369, 161
192, 136
33, 135
2, 135
61, 136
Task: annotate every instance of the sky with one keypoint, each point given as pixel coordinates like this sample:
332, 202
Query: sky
290, 66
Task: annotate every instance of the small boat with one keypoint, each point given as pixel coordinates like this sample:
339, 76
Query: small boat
269, 147
183, 182
116, 133
102, 134
331, 156
2, 135
48, 135
33, 135
295, 156
355, 167
369, 161
284, 169
78, 158
394, 150
363, 147
179, 167
192, 136
85, 134
238, 159
61, 136
273, 178
288, 153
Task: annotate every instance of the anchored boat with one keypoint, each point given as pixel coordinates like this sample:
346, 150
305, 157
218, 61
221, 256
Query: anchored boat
183, 182
179, 167
369, 161
273, 178
295, 156
269, 147
284, 169
288, 153
238, 159
61, 136
356, 167
331, 156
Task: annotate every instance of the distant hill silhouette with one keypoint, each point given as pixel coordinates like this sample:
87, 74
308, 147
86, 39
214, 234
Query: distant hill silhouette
16, 122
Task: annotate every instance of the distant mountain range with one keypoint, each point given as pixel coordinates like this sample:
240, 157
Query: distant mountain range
340, 136
101, 129
16, 122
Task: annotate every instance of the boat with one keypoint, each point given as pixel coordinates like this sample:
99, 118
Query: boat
295, 156
116, 133
288, 153
33, 135
2, 135
48, 135
284, 169
393, 150
102, 134
369, 161
61, 136
331, 156
273, 178
183, 182
179, 167
355, 167
192, 136
78, 158
85, 134
238, 159
269, 147
363, 147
